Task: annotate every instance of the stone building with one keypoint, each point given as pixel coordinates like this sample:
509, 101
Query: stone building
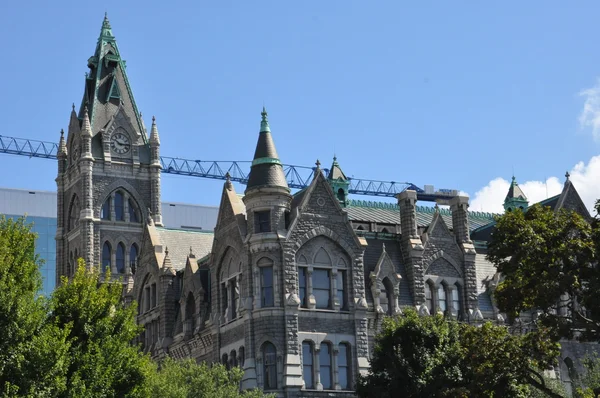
290, 286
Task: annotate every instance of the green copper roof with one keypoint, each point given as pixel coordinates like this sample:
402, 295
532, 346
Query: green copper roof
264, 123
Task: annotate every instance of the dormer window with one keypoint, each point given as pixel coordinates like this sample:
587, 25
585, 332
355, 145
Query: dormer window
262, 221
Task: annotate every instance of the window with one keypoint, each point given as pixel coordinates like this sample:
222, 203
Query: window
74, 214
344, 366
428, 297
262, 221
341, 195
133, 213
269, 366
106, 261
190, 311
322, 288
224, 298
302, 275
235, 298
456, 298
233, 359
307, 364
266, 287
341, 289
133, 257
105, 212
120, 258
242, 356
389, 293
441, 296
325, 366
153, 295
119, 206
225, 360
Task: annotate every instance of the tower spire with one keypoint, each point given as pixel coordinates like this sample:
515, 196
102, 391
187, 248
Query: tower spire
266, 169
154, 140
339, 183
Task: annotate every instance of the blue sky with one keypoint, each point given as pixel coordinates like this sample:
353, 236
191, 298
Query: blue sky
453, 94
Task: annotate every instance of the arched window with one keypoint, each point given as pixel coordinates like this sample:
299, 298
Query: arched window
385, 231
441, 296
133, 211
74, 214
269, 366
389, 293
119, 206
325, 366
343, 358
105, 212
456, 301
120, 258
360, 228
225, 360
428, 297
242, 354
341, 195
321, 278
190, 311
133, 257
307, 364
106, 260
233, 359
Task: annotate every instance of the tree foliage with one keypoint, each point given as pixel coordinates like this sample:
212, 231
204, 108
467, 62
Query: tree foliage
548, 261
433, 357
187, 379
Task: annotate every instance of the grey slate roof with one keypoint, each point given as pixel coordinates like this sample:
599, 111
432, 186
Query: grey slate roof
389, 213
515, 191
179, 242
266, 175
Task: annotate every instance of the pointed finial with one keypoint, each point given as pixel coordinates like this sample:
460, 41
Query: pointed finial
86, 128
73, 106
228, 184
383, 246
153, 119
318, 163
437, 208
264, 122
154, 133
62, 147
191, 251
567, 175
166, 250
62, 133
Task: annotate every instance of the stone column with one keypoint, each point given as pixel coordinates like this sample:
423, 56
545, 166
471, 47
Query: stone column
126, 206
335, 299
412, 245
312, 302
113, 213
334, 365
317, 362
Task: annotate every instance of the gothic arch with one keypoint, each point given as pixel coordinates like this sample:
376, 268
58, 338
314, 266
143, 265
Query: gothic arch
73, 219
324, 231
133, 194
385, 270
441, 254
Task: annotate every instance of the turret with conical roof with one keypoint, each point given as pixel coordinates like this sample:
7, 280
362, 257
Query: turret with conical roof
339, 183
266, 184
266, 170
515, 198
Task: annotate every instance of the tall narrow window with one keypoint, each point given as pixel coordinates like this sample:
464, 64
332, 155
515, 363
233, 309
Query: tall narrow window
133, 257
235, 298
307, 364
120, 258
262, 221
233, 359
119, 206
190, 311
322, 288
302, 275
428, 297
389, 294
269, 366
224, 297
344, 366
225, 360
341, 289
267, 296
325, 366
105, 212
133, 213
456, 298
242, 356
441, 296
106, 261
153, 295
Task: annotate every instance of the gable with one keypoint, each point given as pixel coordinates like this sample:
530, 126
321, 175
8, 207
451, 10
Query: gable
442, 267
439, 229
321, 199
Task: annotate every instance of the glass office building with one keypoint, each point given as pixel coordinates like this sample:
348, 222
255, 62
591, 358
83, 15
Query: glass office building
39, 207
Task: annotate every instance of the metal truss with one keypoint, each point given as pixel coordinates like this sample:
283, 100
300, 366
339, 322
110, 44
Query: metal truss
298, 177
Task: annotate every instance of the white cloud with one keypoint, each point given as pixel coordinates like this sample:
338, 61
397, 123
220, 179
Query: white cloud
585, 178
590, 115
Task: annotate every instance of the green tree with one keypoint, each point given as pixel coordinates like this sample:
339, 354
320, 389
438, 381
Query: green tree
433, 357
101, 327
33, 352
548, 263
188, 379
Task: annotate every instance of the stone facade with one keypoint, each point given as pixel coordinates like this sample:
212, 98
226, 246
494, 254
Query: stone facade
290, 287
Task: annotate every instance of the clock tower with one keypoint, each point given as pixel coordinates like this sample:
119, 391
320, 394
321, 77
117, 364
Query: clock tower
108, 180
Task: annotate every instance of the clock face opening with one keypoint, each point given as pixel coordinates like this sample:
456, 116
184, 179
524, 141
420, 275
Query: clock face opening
119, 143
